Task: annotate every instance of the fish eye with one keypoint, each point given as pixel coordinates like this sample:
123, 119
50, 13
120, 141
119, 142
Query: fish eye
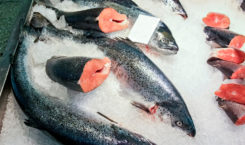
179, 123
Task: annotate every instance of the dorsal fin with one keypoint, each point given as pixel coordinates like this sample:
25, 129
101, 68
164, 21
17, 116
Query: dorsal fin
140, 106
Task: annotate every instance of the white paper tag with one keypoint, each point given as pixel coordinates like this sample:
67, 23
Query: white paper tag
143, 29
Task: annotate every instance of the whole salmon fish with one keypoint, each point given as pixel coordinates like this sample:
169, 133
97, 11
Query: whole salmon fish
137, 71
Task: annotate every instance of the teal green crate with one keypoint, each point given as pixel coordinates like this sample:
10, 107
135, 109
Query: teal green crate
13, 15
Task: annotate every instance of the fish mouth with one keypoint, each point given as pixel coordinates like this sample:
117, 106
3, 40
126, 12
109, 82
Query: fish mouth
167, 50
173, 49
192, 133
170, 50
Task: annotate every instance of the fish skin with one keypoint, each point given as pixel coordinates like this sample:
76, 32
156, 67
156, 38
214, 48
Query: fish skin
220, 36
61, 120
163, 40
176, 7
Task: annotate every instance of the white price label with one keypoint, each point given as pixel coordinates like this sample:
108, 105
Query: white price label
143, 29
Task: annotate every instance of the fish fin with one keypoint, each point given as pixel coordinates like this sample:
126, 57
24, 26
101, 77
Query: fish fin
140, 106
150, 110
104, 116
33, 124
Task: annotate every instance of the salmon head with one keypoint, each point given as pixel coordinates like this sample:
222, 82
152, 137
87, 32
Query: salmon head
179, 115
163, 41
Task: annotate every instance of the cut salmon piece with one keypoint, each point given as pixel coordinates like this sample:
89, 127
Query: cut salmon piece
81, 74
239, 73
110, 21
226, 67
237, 42
94, 73
229, 69
217, 20
240, 121
232, 92
235, 111
230, 54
